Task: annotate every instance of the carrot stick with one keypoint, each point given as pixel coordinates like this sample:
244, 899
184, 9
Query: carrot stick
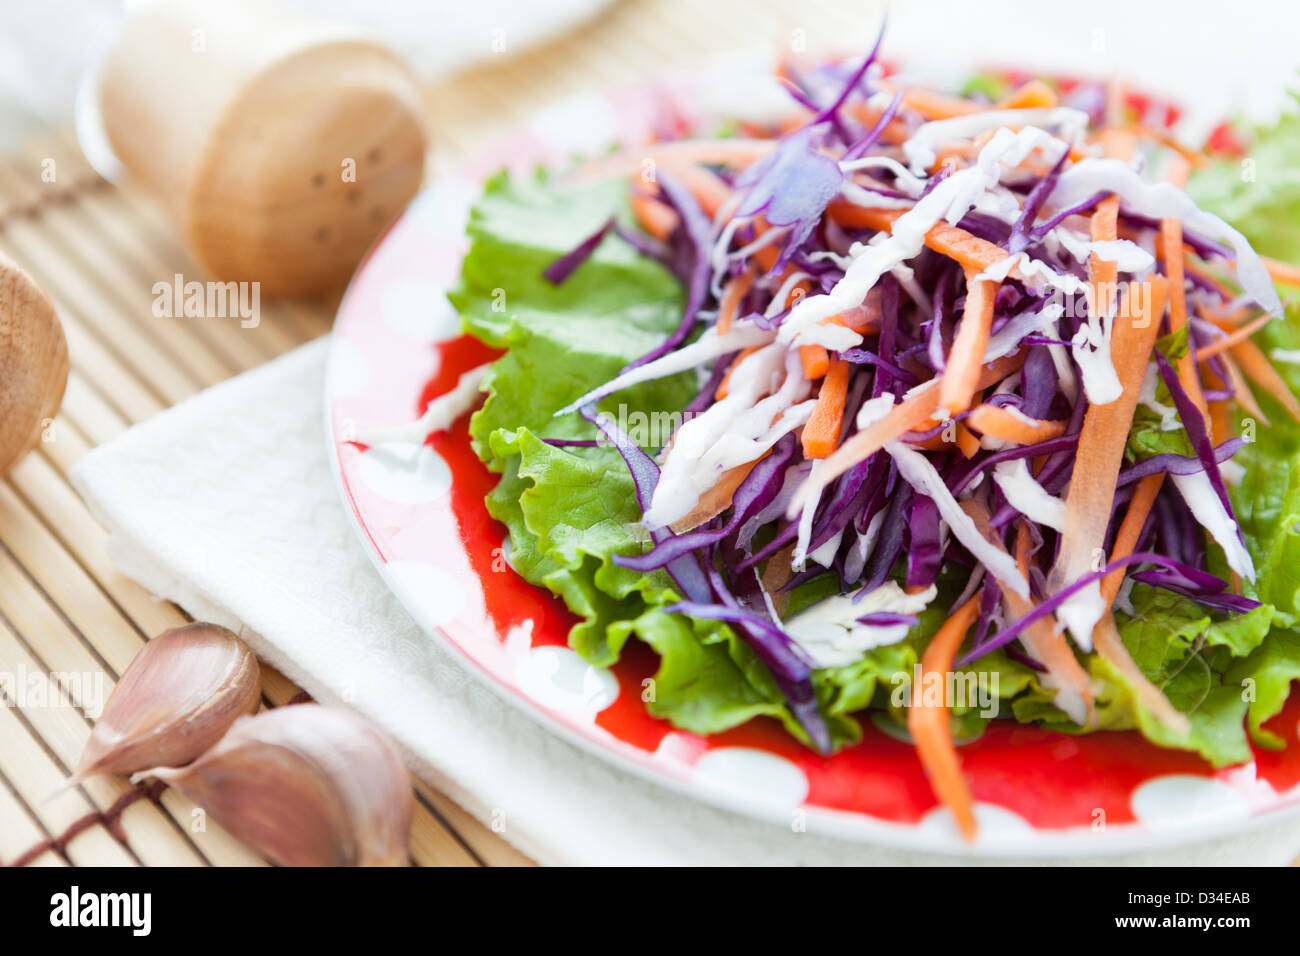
928, 723
971, 252
1031, 95
968, 442
1232, 338
903, 417
1245, 398
1139, 507
717, 499
815, 360
963, 367
1259, 370
933, 105
1044, 641
821, 433
735, 290
1105, 636
1171, 250
1105, 432
1192, 156
652, 216
1106, 639
709, 189
1007, 426
736, 153
1282, 271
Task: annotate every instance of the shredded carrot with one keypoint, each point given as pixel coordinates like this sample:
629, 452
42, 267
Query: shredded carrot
895, 131
815, 360
821, 433
717, 499
902, 418
736, 153
1192, 156
1047, 644
857, 322
735, 290
933, 105
929, 724
709, 189
743, 354
1232, 338
970, 252
1171, 250
1282, 271
962, 369
1199, 270
1126, 538
652, 216
1034, 94
1259, 370
1105, 431
1245, 398
1007, 426
968, 442
1106, 639
1105, 636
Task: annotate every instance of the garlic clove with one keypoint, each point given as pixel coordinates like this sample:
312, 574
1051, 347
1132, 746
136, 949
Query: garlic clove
177, 698
33, 363
305, 785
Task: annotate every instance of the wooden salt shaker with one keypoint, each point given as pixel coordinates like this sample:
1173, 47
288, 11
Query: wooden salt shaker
280, 145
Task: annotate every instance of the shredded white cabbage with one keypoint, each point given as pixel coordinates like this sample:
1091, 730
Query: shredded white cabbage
1007, 339
950, 200
733, 431
1026, 495
1080, 613
1206, 508
1090, 176
710, 345
829, 630
920, 148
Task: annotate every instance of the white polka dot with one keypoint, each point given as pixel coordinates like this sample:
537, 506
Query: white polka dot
444, 207
558, 678
432, 595
580, 124
1180, 799
404, 473
418, 308
992, 821
753, 775
349, 371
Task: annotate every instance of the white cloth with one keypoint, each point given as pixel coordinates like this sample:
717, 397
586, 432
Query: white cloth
225, 504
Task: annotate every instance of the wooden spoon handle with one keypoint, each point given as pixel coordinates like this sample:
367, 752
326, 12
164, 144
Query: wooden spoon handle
33, 363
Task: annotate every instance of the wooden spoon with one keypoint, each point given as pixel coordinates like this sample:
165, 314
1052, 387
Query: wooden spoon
33, 363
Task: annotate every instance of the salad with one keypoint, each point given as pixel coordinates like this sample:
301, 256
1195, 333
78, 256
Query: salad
932, 408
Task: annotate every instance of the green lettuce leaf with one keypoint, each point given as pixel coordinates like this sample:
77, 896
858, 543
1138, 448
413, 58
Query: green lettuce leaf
1260, 193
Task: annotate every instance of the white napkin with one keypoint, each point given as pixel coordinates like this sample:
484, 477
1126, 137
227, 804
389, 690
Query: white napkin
225, 504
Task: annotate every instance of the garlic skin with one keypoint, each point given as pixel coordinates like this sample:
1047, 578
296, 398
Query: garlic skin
176, 699
33, 363
306, 785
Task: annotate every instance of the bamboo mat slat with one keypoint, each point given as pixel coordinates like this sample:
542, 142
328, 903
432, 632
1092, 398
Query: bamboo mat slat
98, 250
